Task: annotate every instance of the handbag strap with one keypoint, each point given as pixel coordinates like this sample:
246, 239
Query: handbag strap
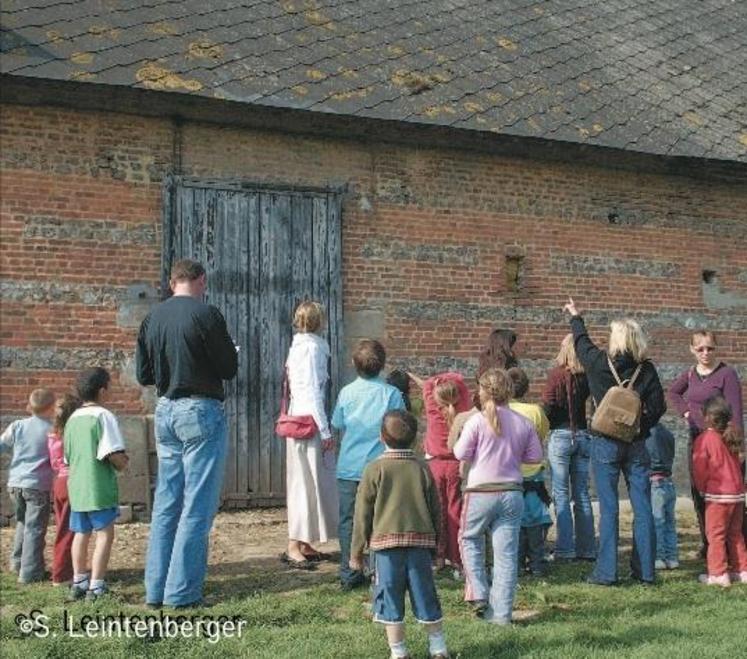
286, 393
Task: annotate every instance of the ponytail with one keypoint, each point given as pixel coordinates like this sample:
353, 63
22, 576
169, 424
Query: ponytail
446, 396
65, 408
490, 412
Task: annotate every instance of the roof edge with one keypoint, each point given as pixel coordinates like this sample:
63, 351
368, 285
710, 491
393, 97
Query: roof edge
18, 90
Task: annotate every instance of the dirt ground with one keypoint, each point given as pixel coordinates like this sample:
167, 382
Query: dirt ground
249, 541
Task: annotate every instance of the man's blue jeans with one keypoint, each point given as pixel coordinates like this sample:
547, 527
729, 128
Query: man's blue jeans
499, 514
569, 456
609, 458
663, 502
191, 440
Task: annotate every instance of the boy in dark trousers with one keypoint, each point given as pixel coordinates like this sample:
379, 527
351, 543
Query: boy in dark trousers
660, 446
397, 516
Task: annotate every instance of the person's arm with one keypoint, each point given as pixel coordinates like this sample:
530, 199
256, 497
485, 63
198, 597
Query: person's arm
110, 440
314, 364
396, 401
118, 460
143, 364
733, 395
464, 449
416, 379
434, 503
550, 399
55, 450
8, 438
653, 403
700, 463
365, 499
533, 448
544, 425
677, 391
220, 346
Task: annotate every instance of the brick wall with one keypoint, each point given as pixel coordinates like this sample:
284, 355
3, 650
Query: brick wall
439, 245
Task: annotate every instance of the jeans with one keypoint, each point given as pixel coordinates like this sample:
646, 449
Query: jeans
569, 459
191, 436
531, 549
663, 500
609, 457
32, 516
346, 490
498, 513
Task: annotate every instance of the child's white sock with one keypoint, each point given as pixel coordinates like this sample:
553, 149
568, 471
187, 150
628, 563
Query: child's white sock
81, 580
398, 649
437, 643
97, 584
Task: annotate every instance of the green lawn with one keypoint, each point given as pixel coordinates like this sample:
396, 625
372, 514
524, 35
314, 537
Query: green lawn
289, 615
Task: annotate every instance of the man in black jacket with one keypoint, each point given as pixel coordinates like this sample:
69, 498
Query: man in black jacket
184, 349
626, 350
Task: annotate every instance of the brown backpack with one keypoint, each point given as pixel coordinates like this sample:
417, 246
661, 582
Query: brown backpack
618, 415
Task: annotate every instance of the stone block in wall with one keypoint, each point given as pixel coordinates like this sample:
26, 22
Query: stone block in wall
134, 482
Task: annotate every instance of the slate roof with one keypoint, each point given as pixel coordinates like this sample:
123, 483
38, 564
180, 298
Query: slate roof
655, 76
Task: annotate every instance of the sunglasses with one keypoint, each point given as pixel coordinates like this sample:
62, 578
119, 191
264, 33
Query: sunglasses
705, 349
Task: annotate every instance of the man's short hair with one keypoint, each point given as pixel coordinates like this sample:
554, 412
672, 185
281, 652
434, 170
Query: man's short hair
519, 381
41, 400
369, 357
90, 382
399, 429
186, 270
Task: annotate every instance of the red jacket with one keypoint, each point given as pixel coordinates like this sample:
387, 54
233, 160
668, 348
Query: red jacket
717, 472
436, 430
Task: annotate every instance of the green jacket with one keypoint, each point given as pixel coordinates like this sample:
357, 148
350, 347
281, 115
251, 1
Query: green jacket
397, 504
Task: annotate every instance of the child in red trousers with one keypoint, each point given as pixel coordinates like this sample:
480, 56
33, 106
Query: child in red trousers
717, 474
62, 564
444, 396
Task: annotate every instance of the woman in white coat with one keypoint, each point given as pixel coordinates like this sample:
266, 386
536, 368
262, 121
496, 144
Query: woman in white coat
310, 464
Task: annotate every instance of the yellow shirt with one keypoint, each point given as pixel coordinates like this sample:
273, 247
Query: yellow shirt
535, 414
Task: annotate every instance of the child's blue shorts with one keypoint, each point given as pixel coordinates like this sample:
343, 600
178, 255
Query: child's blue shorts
399, 570
92, 520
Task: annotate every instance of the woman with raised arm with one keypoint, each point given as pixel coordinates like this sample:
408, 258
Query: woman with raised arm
624, 361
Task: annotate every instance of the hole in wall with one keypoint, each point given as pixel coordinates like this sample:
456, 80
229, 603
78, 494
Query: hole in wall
709, 276
613, 217
514, 271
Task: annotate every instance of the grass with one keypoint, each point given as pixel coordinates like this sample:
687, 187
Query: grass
290, 615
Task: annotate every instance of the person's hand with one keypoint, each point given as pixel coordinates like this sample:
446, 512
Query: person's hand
570, 307
356, 563
328, 444
687, 414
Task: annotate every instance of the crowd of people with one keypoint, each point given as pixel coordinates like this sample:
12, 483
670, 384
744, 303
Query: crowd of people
477, 477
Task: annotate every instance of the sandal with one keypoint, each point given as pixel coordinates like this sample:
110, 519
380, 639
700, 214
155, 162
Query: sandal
297, 565
318, 556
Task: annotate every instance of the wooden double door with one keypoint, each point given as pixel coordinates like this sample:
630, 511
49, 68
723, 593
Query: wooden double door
265, 249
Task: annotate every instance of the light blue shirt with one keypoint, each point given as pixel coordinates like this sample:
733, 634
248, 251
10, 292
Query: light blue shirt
360, 408
30, 466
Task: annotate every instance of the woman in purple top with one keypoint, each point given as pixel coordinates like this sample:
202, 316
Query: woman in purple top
709, 377
494, 444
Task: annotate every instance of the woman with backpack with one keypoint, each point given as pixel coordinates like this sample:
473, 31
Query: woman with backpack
709, 377
629, 400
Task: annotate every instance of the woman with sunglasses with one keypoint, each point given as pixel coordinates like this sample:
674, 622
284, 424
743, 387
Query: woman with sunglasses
708, 378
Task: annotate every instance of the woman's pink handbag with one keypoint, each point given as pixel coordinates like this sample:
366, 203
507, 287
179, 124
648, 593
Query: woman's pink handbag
295, 427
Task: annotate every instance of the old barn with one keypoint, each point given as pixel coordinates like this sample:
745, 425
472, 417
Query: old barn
428, 170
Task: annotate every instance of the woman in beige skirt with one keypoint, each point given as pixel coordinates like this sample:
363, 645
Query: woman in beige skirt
310, 463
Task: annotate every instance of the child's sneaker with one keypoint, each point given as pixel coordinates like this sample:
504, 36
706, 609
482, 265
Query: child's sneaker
672, 565
76, 593
93, 594
711, 580
659, 564
738, 577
